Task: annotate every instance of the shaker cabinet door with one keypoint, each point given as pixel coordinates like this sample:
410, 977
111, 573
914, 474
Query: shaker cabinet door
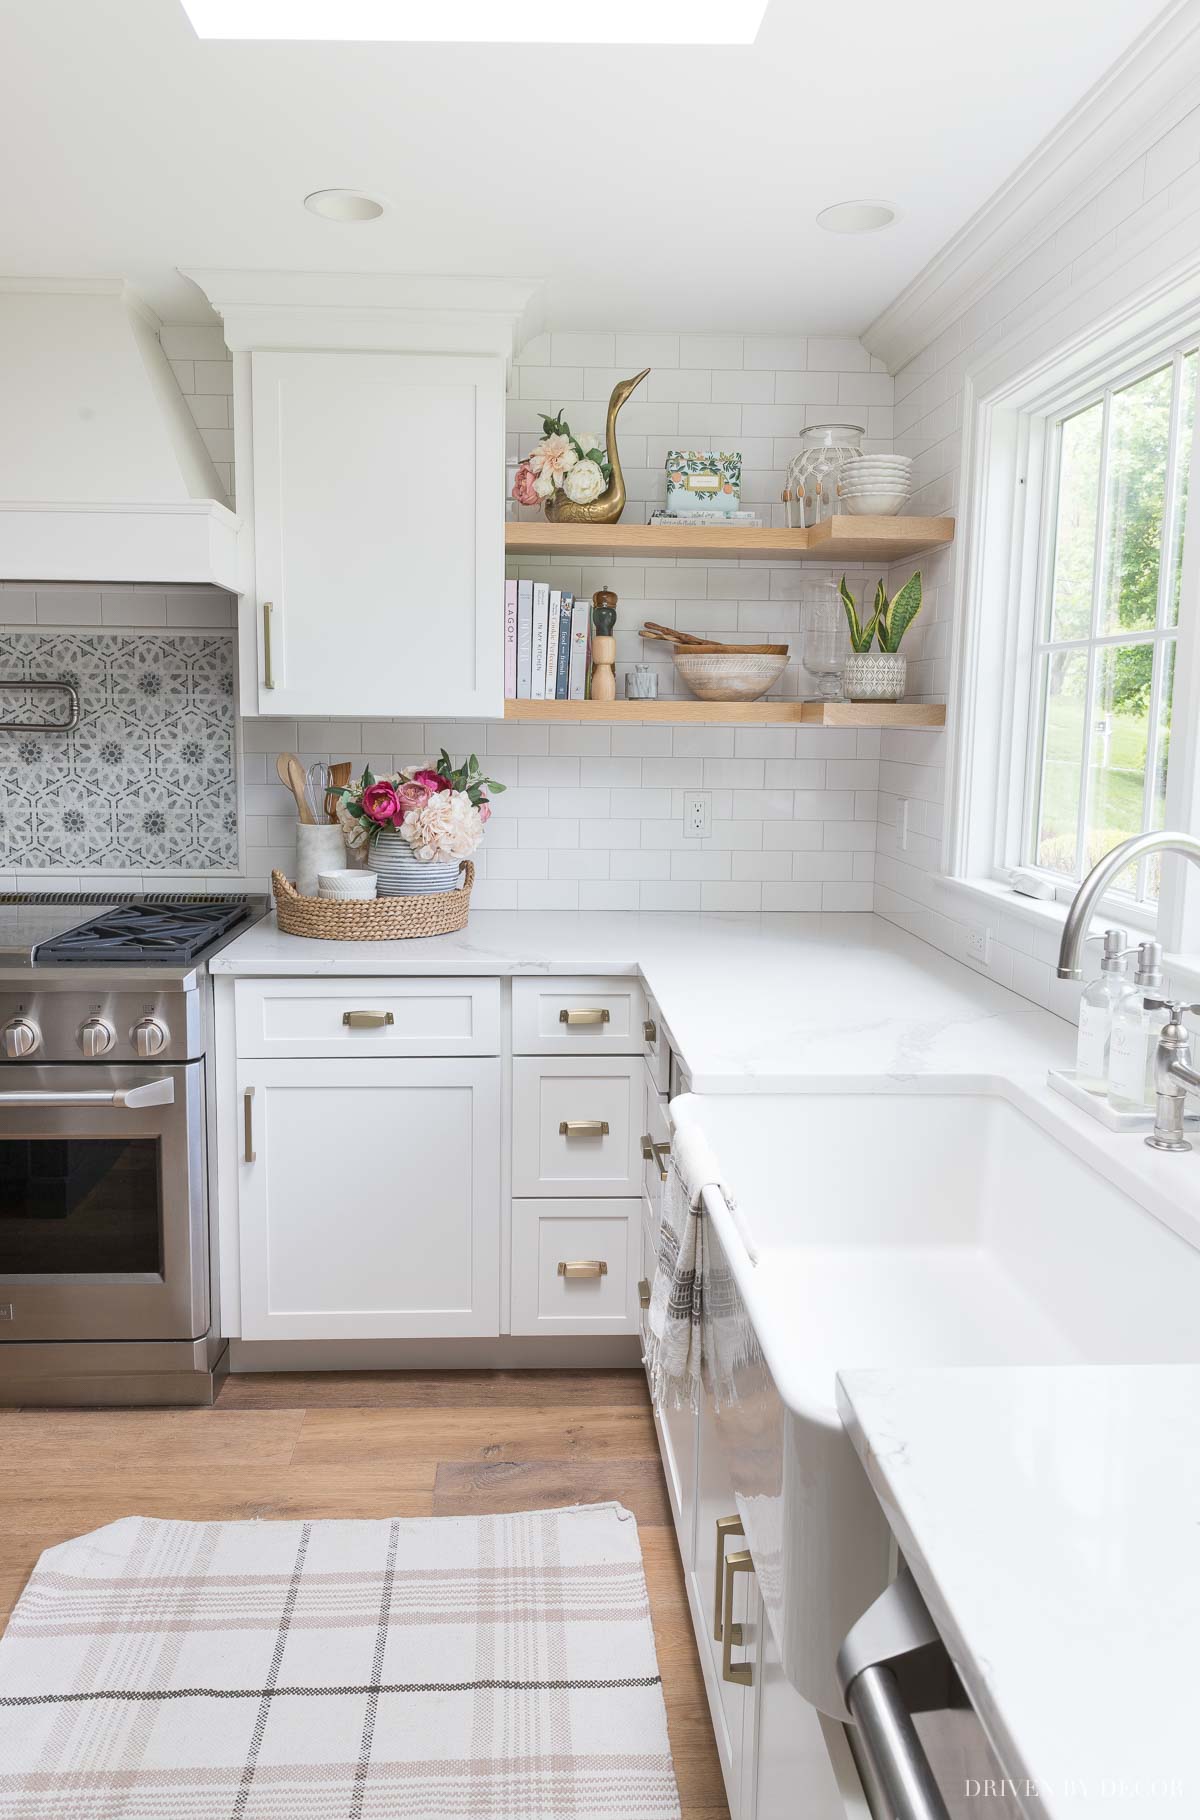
369, 1198
378, 534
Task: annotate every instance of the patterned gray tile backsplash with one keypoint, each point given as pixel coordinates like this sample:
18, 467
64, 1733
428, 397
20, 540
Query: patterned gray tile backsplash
147, 780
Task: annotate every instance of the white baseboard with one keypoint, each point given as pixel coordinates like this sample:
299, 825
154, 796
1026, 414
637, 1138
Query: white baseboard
506, 1353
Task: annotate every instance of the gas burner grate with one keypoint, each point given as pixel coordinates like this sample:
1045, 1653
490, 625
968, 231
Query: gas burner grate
166, 928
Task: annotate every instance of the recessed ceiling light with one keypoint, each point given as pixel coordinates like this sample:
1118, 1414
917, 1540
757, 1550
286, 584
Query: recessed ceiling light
856, 217
343, 205
481, 21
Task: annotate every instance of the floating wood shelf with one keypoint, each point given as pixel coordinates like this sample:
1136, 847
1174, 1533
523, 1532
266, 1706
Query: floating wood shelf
843, 539
737, 713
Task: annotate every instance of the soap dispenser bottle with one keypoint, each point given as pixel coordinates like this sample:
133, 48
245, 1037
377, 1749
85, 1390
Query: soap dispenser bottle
1096, 1010
1135, 1035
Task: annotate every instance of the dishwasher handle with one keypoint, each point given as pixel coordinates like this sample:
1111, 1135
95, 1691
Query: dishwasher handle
897, 1779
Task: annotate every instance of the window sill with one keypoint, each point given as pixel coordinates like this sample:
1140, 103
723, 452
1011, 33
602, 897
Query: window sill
1046, 914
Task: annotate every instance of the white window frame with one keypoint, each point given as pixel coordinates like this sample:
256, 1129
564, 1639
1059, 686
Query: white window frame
1012, 403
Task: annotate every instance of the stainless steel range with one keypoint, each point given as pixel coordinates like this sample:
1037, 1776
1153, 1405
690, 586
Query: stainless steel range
106, 1134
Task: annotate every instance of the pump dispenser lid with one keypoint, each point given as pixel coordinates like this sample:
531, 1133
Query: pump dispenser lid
1149, 967
1116, 942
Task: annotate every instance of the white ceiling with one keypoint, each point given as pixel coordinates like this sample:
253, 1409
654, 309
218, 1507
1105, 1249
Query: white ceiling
652, 188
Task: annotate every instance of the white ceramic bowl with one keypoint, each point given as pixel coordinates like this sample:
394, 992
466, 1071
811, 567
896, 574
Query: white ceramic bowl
344, 885
713, 677
874, 505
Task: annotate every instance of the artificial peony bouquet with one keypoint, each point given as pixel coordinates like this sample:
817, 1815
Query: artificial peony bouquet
576, 464
440, 809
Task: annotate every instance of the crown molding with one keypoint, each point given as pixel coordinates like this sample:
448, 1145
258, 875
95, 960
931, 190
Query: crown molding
1147, 92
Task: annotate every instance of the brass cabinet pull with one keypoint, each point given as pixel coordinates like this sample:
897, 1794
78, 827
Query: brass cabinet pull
268, 668
582, 1267
650, 1031
726, 1526
368, 1020
739, 1672
644, 1292
248, 1122
583, 1128
597, 1015
654, 1153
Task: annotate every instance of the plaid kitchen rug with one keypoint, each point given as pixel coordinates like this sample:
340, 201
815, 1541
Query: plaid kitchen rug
445, 1666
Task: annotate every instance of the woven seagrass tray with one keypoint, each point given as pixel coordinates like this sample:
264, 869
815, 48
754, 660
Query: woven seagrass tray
374, 919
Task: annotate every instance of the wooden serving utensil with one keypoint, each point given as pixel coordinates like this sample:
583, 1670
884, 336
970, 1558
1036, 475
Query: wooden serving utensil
339, 777
291, 773
687, 641
671, 634
700, 648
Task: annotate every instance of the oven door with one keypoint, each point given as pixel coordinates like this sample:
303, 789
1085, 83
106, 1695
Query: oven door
103, 1229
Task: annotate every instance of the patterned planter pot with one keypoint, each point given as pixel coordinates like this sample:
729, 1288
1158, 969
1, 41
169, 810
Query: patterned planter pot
402, 874
874, 676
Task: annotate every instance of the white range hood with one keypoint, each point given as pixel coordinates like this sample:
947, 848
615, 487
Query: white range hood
103, 474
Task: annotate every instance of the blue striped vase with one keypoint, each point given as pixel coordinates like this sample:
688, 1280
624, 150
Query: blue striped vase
401, 874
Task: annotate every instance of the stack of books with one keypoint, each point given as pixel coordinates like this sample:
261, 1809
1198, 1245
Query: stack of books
547, 643
743, 520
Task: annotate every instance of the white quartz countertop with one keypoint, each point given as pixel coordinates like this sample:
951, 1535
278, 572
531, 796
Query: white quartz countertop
1051, 1517
766, 1004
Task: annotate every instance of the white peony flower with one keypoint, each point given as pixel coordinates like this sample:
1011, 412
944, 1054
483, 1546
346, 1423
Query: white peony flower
590, 442
543, 486
448, 827
584, 483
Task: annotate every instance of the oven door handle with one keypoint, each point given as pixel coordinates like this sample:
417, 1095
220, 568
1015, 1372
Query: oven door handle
146, 1093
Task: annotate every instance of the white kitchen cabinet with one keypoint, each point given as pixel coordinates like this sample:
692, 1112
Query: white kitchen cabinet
378, 578
369, 1198
575, 1266
577, 1125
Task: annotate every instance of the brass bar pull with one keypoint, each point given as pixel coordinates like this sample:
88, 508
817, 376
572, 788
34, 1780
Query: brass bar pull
597, 1015
739, 1672
726, 1526
650, 1031
367, 1020
582, 1267
654, 1153
248, 1120
644, 1292
268, 667
583, 1128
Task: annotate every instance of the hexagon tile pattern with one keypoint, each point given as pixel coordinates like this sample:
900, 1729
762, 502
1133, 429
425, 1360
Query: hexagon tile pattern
148, 777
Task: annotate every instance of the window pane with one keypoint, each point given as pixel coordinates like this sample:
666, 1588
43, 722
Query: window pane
1117, 760
1186, 425
1075, 527
1158, 804
1065, 699
1139, 433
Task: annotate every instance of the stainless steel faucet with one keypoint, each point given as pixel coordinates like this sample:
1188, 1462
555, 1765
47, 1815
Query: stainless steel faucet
1079, 916
1174, 1076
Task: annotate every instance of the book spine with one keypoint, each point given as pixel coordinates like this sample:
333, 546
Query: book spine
510, 641
564, 649
552, 641
541, 613
577, 674
524, 638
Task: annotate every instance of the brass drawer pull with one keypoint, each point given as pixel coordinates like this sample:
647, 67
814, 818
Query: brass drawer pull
726, 1526
582, 1267
268, 667
368, 1020
650, 1031
654, 1153
583, 1128
644, 1292
739, 1672
598, 1015
248, 1119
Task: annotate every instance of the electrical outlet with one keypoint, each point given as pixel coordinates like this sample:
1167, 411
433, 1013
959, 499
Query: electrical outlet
697, 814
978, 946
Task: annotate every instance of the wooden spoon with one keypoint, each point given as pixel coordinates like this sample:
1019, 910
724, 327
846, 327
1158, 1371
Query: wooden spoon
701, 649
339, 777
291, 773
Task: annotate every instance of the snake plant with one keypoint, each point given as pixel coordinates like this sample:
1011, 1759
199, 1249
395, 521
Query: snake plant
890, 619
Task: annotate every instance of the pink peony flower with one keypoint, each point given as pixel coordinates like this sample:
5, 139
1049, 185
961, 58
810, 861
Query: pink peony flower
523, 488
381, 804
412, 796
485, 810
433, 781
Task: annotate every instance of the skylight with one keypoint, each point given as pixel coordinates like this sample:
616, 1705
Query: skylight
480, 21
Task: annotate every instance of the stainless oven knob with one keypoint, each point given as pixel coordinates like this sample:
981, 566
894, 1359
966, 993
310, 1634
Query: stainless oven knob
20, 1038
96, 1038
149, 1037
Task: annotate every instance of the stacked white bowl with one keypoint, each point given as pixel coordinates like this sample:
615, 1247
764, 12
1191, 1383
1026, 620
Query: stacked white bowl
875, 485
345, 884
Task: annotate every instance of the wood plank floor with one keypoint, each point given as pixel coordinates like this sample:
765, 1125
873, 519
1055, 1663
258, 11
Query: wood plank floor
413, 1444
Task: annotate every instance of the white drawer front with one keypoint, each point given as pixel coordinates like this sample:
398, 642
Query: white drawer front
365, 1017
577, 1125
656, 1047
575, 1266
578, 1017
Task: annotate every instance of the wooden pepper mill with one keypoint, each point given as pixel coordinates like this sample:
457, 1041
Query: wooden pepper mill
604, 646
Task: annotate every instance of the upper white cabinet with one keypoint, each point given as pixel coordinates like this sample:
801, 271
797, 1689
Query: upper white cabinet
369, 460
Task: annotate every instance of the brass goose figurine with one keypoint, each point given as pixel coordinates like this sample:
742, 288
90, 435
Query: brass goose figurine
608, 507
